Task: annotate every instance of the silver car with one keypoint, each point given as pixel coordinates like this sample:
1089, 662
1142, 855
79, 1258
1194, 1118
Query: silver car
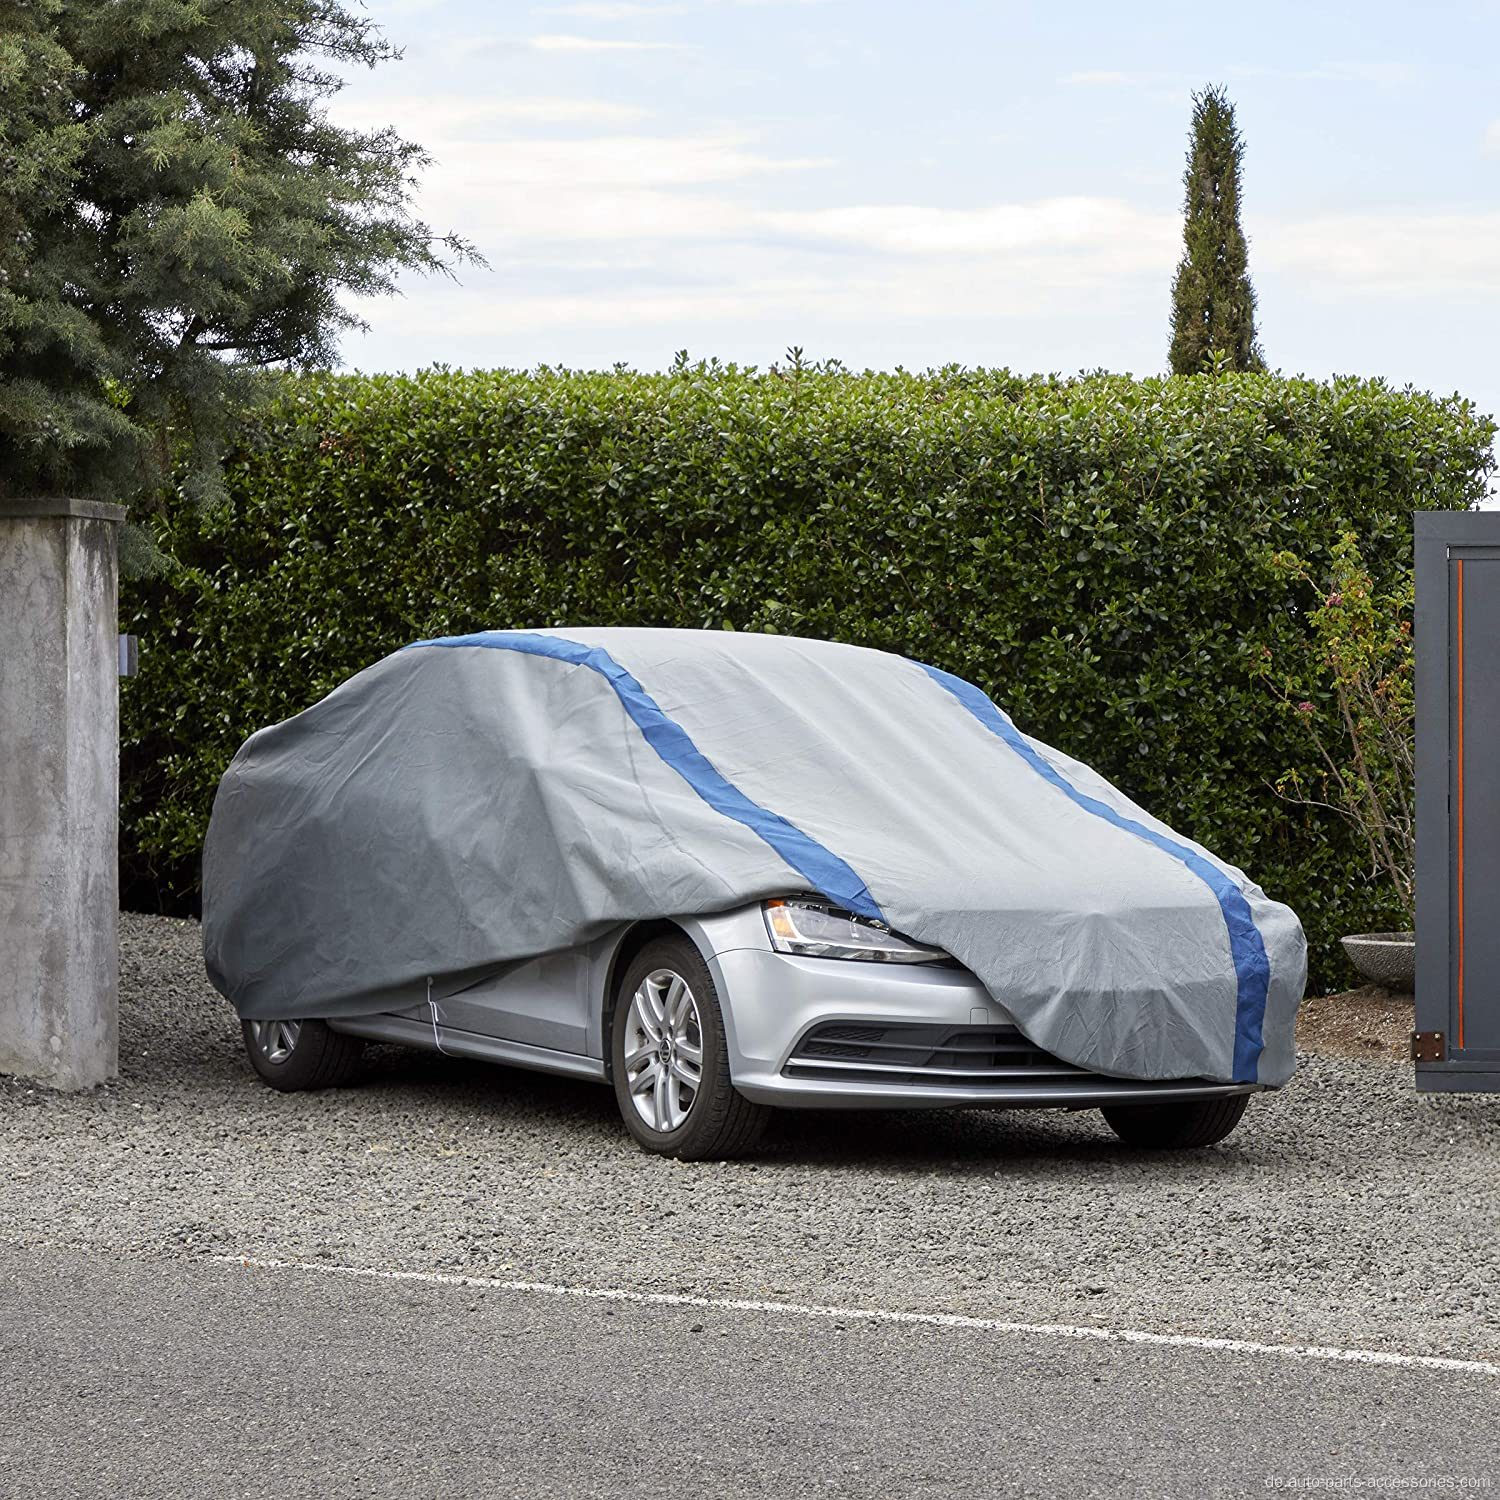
703, 1024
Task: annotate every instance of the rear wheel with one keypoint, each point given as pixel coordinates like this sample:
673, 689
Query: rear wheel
670, 1061
1177, 1126
294, 1055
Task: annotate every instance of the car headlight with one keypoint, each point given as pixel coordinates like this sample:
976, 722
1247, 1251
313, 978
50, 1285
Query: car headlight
814, 929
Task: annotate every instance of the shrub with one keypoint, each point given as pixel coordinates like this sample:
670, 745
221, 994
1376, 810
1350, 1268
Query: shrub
1363, 664
1098, 553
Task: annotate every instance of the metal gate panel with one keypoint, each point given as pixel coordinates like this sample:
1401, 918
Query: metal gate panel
1458, 800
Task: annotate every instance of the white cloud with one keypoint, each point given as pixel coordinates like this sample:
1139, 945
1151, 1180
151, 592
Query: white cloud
1405, 254
1107, 78
560, 111
748, 285
468, 119
629, 10
679, 259
1105, 225
660, 248
598, 44
484, 312
506, 193
620, 162
1492, 138
616, 10
1382, 73
675, 233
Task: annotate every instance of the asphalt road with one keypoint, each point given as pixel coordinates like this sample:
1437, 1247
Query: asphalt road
164, 1379
1345, 1211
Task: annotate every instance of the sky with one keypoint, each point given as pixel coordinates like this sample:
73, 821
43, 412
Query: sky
920, 183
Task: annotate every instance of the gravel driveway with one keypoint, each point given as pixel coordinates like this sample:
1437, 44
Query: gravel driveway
1346, 1209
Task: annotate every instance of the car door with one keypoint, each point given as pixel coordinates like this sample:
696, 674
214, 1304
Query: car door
542, 1002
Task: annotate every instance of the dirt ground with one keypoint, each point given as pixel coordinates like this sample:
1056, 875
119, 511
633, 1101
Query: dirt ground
1368, 1025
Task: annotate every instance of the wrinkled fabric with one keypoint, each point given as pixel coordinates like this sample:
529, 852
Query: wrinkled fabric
474, 801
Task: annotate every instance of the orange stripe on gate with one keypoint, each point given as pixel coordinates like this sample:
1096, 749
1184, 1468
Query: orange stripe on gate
1459, 777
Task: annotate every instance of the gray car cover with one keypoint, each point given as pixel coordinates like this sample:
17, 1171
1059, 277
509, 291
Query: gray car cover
476, 800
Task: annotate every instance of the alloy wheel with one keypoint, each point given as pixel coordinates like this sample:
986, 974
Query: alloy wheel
663, 1050
276, 1040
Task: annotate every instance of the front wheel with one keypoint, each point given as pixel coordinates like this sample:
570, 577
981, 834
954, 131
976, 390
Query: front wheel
295, 1055
670, 1061
1178, 1126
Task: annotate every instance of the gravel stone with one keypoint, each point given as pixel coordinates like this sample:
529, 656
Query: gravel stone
1346, 1209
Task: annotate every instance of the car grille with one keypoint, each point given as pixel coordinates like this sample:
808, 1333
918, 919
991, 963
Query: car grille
929, 1056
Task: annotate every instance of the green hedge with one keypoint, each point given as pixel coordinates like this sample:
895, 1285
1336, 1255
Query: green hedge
1089, 551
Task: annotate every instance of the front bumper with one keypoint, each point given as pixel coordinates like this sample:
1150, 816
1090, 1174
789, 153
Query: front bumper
823, 1034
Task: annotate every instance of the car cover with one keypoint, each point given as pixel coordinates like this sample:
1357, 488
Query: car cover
477, 800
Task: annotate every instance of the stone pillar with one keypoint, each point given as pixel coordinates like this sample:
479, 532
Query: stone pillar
59, 791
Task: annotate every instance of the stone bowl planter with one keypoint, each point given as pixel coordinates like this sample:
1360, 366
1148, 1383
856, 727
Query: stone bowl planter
1388, 958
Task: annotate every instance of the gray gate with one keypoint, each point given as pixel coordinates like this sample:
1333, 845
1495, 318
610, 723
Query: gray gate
1457, 1041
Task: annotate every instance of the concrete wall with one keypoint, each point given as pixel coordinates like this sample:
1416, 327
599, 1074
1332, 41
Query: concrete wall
59, 791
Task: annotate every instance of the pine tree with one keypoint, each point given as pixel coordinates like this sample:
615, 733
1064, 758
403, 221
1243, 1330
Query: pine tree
177, 214
1213, 303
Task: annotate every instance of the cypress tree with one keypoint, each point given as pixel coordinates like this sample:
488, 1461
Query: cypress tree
1213, 303
178, 213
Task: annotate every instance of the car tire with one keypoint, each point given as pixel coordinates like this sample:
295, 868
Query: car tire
717, 1122
296, 1055
1179, 1126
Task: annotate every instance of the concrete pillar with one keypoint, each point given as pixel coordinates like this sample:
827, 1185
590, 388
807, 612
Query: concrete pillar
59, 791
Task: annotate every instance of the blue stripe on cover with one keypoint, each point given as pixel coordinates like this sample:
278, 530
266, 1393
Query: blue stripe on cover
823, 870
1252, 969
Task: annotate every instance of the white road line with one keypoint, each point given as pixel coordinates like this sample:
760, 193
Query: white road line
884, 1315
